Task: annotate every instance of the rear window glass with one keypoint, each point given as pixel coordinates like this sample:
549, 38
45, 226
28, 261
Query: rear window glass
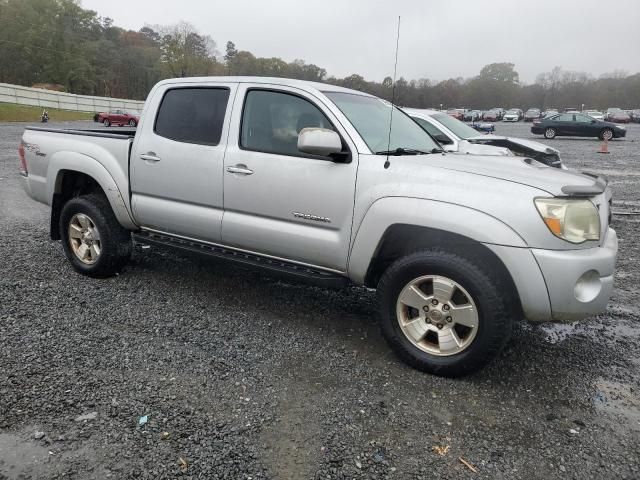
193, 115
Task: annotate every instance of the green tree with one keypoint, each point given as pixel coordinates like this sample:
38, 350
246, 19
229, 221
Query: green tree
500, 72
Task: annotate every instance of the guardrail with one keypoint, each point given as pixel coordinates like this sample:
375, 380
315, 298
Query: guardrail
39, 97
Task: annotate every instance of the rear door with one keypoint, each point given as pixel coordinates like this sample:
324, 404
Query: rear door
279, 201
177, 159
564, 124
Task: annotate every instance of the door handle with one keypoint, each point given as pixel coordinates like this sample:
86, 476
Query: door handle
240, 169
149, 157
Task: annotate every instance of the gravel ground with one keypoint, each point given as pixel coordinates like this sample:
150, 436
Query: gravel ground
245, 377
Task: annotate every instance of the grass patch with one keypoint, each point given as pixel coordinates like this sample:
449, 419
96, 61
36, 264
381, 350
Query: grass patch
10, 112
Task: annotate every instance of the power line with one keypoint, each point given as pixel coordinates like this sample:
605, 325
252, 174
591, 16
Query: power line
22, 44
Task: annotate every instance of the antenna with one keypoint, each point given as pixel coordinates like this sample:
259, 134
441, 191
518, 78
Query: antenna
393, 95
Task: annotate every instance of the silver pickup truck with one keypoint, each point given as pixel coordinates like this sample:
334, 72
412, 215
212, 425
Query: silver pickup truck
335, 187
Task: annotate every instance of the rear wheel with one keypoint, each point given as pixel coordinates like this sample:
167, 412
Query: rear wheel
550, 133
443, 314
606, 134
93, 240
107, 123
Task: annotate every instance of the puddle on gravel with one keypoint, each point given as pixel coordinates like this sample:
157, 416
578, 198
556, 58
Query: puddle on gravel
618, 399
558, 332
21, 458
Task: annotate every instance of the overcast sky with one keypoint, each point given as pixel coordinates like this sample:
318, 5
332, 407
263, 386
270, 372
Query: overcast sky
439, 39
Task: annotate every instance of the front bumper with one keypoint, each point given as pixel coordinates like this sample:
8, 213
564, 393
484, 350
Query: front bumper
579, 282
619, 133
537, 130
561, 285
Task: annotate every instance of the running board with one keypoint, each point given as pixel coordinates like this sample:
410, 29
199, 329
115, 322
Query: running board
303, 273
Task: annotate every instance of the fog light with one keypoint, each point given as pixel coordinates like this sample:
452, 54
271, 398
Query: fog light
588, 286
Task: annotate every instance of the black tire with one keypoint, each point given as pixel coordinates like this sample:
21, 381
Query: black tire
550, 133
494, 320
115, 241
606, 133
132, 123
106, 122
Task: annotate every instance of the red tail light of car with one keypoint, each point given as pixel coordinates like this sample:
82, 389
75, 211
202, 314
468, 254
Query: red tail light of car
23, 161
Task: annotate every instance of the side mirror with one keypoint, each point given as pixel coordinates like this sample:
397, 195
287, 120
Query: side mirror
319, 141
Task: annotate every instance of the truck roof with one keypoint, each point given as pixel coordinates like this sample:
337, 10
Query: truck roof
290, 82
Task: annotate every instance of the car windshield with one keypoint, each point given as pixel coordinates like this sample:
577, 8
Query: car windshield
371, 116
512, 111
460, 129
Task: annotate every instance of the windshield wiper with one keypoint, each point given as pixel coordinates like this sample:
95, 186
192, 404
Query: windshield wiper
407, 151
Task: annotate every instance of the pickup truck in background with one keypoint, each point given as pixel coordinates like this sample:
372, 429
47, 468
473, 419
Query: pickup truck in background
309, 180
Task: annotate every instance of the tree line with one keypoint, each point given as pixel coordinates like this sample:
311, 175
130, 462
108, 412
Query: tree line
58, 42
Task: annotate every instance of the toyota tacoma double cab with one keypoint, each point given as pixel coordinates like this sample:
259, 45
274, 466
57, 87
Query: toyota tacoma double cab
336, 187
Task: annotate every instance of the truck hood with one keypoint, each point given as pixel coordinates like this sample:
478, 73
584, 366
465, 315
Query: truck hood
527, 144
524, 171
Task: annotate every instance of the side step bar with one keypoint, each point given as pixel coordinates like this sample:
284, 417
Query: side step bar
302, 273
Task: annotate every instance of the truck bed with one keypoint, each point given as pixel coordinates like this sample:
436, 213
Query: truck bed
100, 153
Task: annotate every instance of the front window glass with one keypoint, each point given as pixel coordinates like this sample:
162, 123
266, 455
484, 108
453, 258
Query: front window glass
461, 129
272, 121
371, 116
583, 119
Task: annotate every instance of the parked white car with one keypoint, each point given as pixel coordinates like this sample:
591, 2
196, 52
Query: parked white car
458, 137
513, 115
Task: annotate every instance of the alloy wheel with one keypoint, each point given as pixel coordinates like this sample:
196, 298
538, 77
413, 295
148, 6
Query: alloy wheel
437, 315
84, 239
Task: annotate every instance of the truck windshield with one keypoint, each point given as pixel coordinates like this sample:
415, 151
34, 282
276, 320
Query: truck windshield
370, 116
460, 129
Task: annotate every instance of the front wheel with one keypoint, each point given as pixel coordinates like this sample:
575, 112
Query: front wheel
132, 123
107, 123
93, 240
443, 314
606, 134
550, 133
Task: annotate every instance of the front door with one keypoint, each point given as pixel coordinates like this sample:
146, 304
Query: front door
586, 126
176, 162
279, 201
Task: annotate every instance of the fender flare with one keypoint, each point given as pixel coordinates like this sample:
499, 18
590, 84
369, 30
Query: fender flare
449, 217
77, 162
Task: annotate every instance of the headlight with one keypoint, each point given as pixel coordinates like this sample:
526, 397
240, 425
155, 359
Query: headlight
573, 220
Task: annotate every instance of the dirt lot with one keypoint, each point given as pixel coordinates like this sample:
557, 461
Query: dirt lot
245, 377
